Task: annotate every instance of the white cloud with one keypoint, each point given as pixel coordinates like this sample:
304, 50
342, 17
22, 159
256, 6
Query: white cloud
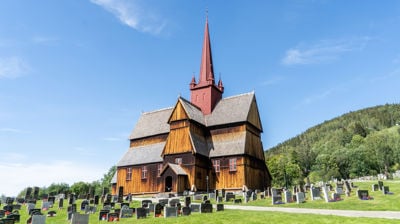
11, 130
12, 67
323, 51
134, 15
17, 176
272, 81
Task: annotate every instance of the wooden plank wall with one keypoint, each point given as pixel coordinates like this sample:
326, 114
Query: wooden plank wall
137, 184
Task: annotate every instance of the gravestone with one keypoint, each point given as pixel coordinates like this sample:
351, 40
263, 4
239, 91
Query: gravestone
96, 199
151, 207
45, 205
112, 217
254, 196
103, 214
216, 194
145, 203
170, 212
288, 196
14, 216
300, 197
8, 208
229, 196
107, 207
336, 197
80, 219
197, 197
363, 194
173, 202
35, 211
325, 191
211, 195
129, 198
237, 201
223, 193
36, 193
276, 195
51, 214
219, 199
158, 210
141, 213
347, 186
187, 201
385, 190
83, 204
28, 193
220, 207
206, 208
375, 187
195, 207
186, 211
120, 194
163, 201
51, 199
380, 185
61, 203
38, 219
315, 193
7, 221
71, 199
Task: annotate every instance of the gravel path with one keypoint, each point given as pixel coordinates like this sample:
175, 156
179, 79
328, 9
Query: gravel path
348, 213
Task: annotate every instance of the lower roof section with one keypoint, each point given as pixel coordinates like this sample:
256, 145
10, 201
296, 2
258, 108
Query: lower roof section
142, 155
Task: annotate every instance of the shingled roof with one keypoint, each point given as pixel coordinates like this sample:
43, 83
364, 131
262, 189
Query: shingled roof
227, 144
142, 155
177, 169
152, 123
231, 110
193, 112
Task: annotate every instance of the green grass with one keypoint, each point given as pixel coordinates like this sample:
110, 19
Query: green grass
381, 202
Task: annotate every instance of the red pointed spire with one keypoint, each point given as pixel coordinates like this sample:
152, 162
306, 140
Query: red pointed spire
206, 66
205, 94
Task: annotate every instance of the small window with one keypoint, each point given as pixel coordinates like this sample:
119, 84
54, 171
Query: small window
178, 161
216, 164
232, 164
144, 172
159, 168
129, 173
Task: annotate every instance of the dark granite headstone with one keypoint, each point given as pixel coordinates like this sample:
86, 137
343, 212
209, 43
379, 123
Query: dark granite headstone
141, 213
7, 221
186, 211
61, 203
220, 207
363, 194
187, 201
158, 210
28, 193
163, 201
14, 216
173, 201
145, 203
36, 193
237, 201
223, 193
380, 184
206, 208
103, 214
83, 204
385, 190
120, 194
96, 199
375, 187
35, 211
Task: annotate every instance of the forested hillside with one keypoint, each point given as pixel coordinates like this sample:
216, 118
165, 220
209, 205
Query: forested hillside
360, 143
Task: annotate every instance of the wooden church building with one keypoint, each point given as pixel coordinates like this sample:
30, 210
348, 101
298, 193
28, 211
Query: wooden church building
207, 143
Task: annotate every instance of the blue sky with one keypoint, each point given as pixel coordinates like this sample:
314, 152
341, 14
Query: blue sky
75, 75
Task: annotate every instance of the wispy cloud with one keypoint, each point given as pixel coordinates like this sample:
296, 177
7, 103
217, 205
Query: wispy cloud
317, 97
134, 14
13, 67
40, 39
112, 139
323, 51
272, 81
12, 130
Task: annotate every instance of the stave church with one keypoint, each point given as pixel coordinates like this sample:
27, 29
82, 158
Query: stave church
208, 142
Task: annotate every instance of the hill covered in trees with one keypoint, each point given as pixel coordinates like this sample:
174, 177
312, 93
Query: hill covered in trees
360, 143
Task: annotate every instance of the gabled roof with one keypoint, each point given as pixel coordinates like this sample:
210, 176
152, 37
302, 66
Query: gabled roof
114, 178
231, 110
200, 145
142, 155
192, 111
228, 144
177, 169
152, 123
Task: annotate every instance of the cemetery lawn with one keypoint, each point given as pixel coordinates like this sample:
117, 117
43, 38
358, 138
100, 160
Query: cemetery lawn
227, 216
380, 202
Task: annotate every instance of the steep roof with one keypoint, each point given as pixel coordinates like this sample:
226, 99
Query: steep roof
231, 110
227, 144
177, 169
114, 178
142, 155
199, 144
152, 123
194, 112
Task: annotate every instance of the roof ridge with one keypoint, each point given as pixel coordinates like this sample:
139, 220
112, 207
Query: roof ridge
159, 110
191, 104
239, 95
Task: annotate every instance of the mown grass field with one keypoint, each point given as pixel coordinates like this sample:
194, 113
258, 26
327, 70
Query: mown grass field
380, 203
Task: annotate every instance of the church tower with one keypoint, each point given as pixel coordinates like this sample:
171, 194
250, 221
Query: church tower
205, 94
